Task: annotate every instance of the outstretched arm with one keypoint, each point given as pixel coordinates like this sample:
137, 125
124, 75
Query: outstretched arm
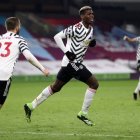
31, 58
129, 39
136, 39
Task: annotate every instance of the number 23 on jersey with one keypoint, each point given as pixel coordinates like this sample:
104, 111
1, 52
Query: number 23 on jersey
5, 49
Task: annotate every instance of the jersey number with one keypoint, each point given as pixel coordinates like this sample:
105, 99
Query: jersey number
7, 49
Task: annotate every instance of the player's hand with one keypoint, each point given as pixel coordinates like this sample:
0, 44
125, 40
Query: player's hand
125, 37
46, 72
138, 65
71, 56
92, 43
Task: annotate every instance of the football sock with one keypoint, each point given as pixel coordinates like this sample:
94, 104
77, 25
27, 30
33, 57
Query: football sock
137, 88
88, 100
42, 97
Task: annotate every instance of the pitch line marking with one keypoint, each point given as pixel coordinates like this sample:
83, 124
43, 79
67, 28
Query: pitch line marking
69, 134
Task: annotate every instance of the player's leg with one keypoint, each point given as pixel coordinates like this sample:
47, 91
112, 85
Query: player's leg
61, 80
4, 89
86, 77
90, 92
136, 91
47, 92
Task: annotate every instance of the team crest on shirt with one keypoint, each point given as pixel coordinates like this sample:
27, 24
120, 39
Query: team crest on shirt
85, 43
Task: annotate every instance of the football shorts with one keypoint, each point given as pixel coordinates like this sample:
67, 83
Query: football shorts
4, 89
74, 70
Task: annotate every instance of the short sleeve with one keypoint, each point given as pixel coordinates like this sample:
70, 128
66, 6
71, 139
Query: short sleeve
23, 45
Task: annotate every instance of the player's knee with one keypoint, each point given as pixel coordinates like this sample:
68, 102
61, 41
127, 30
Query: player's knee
55, 88
95, 85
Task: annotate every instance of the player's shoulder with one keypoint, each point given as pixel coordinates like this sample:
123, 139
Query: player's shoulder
19, 37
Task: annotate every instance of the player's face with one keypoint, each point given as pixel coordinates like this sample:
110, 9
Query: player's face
88, 17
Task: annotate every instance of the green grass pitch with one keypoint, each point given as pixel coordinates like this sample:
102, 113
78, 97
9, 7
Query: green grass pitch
116, 114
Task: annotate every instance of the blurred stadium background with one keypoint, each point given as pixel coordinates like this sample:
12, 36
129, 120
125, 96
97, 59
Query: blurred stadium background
114, 111
42, 19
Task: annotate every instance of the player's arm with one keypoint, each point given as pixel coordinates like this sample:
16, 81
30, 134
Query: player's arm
130, 39
136, 39
138, 58
31, 58
59, 41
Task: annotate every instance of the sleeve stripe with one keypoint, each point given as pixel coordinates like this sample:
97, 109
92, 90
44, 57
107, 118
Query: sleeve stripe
22, 41
22, 44
23, 47
21, 50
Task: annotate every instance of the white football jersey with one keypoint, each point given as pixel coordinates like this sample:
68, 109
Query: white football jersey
138, 50
11, 45
78, 38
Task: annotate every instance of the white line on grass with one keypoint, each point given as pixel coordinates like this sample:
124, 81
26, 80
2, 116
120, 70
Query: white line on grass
70, 134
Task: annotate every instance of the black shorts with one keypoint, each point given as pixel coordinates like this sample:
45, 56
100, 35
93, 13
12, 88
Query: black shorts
4, 89
74, 70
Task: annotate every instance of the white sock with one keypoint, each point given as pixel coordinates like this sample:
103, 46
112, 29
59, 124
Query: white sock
42, 97
88, 99
137, 88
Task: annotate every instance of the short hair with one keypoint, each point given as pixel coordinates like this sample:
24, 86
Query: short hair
83, 9
11, 23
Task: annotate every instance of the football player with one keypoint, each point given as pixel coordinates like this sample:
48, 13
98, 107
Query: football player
79, 38
135, 39
11, 45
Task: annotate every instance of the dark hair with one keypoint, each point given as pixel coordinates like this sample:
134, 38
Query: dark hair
11, 23
83, 9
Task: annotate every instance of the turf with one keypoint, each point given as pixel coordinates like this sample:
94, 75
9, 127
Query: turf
116, 114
